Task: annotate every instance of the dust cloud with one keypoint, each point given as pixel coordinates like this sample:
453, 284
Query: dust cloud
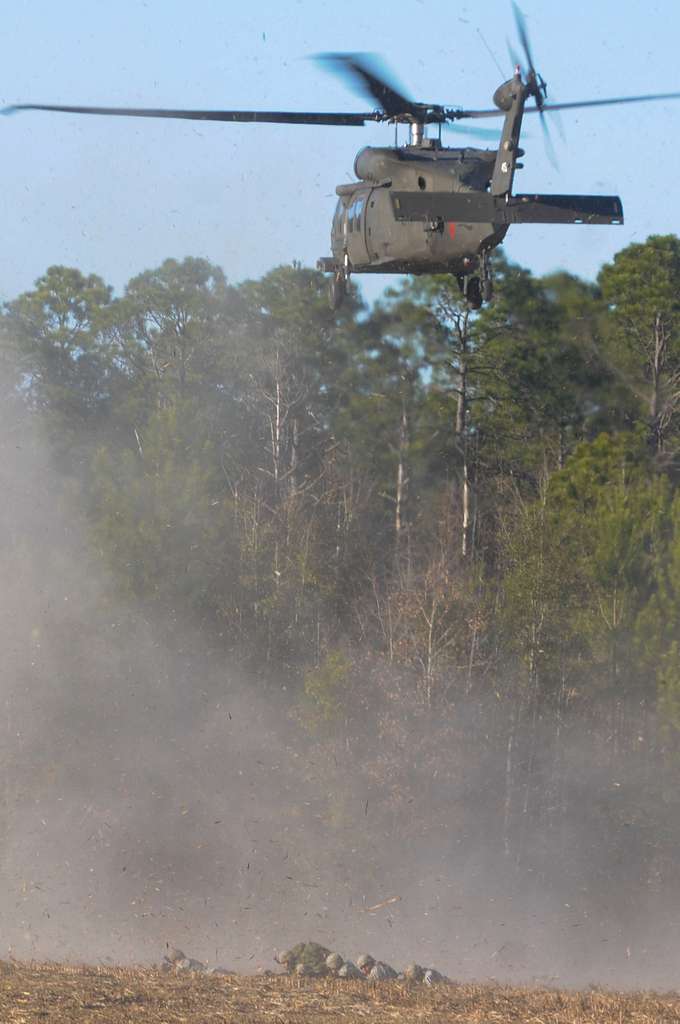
150, 794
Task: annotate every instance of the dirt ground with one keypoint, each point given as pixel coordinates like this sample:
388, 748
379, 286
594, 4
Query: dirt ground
58, 993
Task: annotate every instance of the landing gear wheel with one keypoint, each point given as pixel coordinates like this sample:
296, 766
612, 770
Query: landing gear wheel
473, 293
472, 289
337, 289
486, 277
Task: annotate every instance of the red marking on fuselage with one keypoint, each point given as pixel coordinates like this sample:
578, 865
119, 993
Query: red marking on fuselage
452, 230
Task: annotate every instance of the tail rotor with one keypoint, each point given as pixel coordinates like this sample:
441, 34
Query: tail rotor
535, 84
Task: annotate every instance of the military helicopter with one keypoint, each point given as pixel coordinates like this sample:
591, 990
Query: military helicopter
425, 208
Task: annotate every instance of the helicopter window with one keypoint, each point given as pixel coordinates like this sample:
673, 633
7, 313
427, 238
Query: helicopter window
422, 184
358, 210
339, 213
350, 217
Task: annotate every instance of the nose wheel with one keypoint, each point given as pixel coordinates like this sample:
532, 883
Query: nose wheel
473, 292
338, 285
471, 288
477, 288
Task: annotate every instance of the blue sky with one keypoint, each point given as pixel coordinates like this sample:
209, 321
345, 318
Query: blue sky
116, 196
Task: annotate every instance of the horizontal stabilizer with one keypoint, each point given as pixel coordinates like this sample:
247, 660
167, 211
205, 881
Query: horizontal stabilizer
565, 210
482, 207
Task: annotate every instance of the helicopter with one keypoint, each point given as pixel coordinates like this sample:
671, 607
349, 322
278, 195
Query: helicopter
424, 208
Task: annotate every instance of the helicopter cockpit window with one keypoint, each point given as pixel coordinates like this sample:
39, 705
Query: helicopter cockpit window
358, 210
339, 214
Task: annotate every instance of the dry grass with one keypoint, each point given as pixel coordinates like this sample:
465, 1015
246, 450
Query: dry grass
56, 993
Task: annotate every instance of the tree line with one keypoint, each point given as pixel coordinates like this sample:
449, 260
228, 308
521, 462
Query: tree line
450, 531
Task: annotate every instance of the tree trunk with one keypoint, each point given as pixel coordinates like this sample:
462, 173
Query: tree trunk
466, 502
402, 481
461, 434
657, 366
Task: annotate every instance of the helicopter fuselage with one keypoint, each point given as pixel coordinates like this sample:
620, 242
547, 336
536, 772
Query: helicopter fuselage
370, 232
427, 209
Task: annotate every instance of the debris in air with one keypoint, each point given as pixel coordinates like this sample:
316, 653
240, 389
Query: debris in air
383, 903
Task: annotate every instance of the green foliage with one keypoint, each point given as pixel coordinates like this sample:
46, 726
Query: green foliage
66, 364
443, 536
539, 592
159, 516
581, 562
293, 477
170, 325
642, 288
543, 385
643, 280
658, 625
327, 689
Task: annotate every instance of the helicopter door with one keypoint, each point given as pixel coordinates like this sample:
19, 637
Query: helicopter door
339, 231
355, 230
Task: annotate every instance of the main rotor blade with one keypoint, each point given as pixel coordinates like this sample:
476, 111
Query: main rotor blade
491, 134
610, 102
242, 116
452, 114
512, 54
547, 140
364, 71
523, 35
306, 117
